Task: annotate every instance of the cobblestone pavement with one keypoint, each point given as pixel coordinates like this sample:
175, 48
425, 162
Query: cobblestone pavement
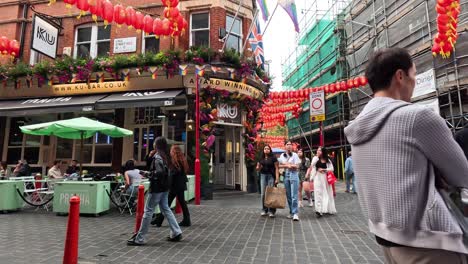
228, 229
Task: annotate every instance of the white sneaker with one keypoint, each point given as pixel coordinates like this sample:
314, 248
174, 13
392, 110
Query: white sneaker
295, 217
263, 214
289, 217
300, 204
311, 204
271, 215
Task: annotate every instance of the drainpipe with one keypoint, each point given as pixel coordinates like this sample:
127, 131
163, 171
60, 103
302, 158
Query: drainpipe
23, 28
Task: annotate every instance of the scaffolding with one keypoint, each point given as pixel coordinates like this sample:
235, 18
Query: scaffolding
319, 58
410, 24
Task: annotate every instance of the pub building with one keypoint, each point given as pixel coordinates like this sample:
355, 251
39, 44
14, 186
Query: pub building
146, 104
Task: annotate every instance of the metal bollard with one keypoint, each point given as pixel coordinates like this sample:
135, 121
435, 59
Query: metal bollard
140, 207
70, 254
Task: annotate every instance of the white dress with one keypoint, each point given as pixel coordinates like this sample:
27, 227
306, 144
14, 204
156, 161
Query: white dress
323, 192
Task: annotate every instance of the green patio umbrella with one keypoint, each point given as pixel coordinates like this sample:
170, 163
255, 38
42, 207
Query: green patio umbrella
75, 128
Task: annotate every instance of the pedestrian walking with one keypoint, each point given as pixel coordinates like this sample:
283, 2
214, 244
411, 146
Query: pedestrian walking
290, 162
396, 148
158, 195
178, 170
349, 174
303, 168
323, 191
268, 167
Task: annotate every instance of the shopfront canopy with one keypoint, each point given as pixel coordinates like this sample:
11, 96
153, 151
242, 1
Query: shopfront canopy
139, 99
38, 106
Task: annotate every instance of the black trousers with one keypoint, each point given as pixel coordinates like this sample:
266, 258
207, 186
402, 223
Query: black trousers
181, 197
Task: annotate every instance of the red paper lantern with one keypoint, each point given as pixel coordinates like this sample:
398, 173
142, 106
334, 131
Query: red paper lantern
166, 27
4, 45
96, 9
332, 88
326, 88
119, 14
69, 3
148, 24
362, 80
14, 48
138, 25
130, 16
107, 12
343, 86
82, 5
170, 3
157, 27
356, 82
349, 84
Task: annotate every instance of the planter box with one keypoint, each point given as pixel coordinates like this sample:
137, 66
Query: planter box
93, 196
9, 198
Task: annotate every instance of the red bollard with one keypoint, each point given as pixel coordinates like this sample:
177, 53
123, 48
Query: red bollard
178, 208
140, 207
70, 254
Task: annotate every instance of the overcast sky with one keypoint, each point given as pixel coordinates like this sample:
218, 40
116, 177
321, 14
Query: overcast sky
279, 39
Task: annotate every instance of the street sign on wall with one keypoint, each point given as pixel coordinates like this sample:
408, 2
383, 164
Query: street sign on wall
44, 37
124, 45
317, 106
425, 83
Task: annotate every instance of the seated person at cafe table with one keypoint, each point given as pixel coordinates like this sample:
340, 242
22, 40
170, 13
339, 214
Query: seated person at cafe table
73, 168
55, 172
22, 169
133, 178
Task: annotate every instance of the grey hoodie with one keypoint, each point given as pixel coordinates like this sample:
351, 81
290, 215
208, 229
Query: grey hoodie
396, 146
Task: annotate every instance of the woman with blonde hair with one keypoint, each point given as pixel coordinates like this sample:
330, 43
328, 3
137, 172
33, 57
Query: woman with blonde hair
178, 170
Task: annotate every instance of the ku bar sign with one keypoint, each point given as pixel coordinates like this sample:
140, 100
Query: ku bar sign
44, 37
228, 113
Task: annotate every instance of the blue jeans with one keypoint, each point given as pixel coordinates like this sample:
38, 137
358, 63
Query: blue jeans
291, 183
151, 202
350, 182
266, 180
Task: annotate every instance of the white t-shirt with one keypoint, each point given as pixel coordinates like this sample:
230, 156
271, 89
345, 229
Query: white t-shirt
292, 158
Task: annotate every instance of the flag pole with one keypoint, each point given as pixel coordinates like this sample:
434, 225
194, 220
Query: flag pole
250, 30
232, 25
269, 20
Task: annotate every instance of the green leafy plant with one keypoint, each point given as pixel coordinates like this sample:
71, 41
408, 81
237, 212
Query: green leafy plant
19, 70
231, 56
43, 68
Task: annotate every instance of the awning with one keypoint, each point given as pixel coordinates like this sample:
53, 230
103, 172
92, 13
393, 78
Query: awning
138, 99
37, 106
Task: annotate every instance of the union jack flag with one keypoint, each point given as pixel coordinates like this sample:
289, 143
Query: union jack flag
256, 43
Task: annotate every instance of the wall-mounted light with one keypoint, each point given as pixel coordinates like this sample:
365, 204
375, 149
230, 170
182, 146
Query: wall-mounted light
190, 124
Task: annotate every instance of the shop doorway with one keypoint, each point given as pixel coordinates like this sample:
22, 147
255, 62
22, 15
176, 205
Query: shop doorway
227, 157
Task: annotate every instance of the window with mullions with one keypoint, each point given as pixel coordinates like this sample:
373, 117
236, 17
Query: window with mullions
92, 41
234, 40
147, 128
200, 29
150, 44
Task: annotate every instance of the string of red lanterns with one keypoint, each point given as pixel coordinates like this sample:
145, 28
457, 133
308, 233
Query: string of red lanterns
173, 24
279, 103
9, 47
447, 21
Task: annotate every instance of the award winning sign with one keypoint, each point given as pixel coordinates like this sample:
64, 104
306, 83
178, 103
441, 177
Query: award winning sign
44, 37
230, 86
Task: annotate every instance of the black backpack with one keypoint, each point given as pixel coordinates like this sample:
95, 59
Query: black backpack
159, 182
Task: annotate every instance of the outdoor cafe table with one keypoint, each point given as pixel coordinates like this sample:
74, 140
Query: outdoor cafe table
9, 198
94, 198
